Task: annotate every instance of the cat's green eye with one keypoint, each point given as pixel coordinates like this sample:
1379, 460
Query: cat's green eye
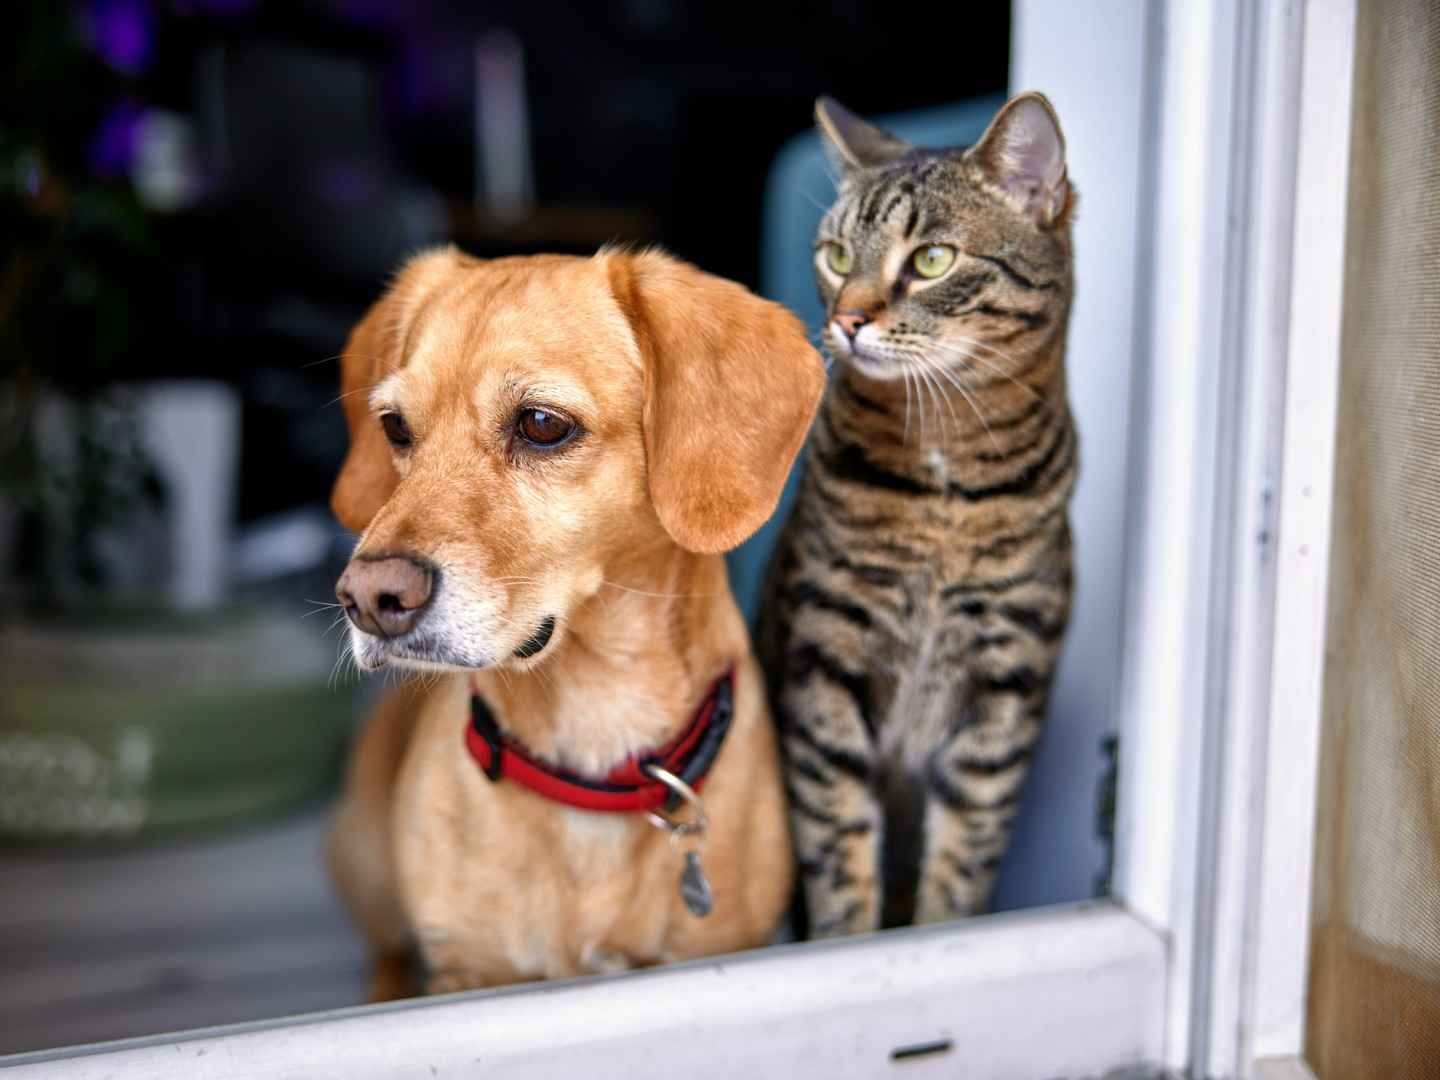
933, 261
838, 259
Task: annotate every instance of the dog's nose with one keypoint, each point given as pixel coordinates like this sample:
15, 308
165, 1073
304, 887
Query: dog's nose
850, 322
386, 596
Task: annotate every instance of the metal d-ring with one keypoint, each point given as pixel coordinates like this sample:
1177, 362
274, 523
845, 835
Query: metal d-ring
686, 792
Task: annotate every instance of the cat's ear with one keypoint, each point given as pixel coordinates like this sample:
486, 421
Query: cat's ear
1023, 154
853, 143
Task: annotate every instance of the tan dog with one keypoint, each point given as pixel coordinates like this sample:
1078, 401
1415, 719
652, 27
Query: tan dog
547, 456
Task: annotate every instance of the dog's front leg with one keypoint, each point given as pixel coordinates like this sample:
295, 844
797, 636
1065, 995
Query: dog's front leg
448, 982
393, 977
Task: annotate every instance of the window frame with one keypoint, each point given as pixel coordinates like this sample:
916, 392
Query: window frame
1200, 960
1251, 197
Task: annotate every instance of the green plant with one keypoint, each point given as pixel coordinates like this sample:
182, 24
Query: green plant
77, 252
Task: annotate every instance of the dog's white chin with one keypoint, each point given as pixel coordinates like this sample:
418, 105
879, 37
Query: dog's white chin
408, 663
372, 654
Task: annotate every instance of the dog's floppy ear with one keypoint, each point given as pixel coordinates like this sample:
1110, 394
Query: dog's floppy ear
368, 475
731, 385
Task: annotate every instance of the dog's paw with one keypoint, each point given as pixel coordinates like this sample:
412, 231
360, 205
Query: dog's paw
449, 982
595, 960
392, 978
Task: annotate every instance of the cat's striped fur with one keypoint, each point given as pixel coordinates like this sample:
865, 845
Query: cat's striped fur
921, 589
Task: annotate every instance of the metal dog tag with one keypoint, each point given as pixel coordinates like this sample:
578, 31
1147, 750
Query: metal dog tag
694, 888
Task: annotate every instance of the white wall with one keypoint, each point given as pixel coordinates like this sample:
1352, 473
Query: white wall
1089, 59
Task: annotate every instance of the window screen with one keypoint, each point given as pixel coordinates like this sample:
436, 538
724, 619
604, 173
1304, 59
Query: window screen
1374, 1006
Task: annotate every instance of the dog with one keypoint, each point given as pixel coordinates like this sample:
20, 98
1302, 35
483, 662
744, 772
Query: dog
548, 456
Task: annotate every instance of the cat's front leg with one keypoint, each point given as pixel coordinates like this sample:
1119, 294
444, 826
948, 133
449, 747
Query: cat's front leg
836, 817
973, 793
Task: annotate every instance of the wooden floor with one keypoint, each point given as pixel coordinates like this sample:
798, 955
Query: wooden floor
184, 935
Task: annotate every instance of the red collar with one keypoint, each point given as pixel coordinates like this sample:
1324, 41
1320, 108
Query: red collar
626, 788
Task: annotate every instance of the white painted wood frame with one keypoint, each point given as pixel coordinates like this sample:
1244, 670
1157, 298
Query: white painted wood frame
1234, 256
1077, 989
1221, 704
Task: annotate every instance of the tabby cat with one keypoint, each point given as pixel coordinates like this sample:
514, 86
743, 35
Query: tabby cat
920, 591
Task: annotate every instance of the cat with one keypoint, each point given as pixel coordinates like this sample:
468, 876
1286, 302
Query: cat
919, 593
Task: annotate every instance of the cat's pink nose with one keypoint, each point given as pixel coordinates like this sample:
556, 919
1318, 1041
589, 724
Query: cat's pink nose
849, 322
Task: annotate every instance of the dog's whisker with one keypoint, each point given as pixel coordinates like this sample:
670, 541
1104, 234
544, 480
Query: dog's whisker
545, 676
332, 683
656, 595
348, 393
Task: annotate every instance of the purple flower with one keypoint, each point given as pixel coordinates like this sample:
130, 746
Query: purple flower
123, 33
112, 150
221, 8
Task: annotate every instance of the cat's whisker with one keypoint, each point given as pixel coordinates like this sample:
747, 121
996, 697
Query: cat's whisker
968, 345
823, 348
955, 350
995, 368
935, 371
927, 391
964, 393
976, 343
905, 374
919, 401
979, 413
949, 405
812, 200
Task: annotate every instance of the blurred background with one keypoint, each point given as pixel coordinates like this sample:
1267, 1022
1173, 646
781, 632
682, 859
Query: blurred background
198, 198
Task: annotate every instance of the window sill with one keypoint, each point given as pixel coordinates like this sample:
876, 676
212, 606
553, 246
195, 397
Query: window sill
1066, 991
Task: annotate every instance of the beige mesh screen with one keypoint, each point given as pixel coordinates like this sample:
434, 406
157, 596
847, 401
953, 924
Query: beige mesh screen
1374, 1008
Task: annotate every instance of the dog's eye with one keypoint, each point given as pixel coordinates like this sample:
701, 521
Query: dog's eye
396, 430
543, 428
